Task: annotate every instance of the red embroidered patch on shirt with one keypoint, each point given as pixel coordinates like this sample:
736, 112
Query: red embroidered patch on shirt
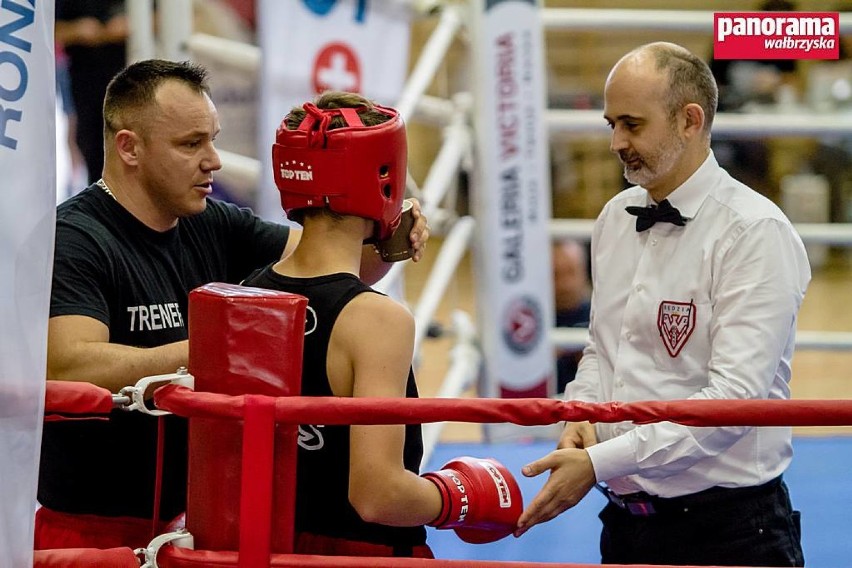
676, 322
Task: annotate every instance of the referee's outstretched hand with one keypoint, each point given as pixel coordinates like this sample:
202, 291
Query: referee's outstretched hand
571, 477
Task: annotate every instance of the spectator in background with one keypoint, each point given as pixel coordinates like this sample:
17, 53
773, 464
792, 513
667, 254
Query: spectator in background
70, 164
572, 295
93, 34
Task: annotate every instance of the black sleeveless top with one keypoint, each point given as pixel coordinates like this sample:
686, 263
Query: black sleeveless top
322, 501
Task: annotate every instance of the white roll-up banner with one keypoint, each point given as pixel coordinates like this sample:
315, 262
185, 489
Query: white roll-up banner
310, 46
512, 200
27, 218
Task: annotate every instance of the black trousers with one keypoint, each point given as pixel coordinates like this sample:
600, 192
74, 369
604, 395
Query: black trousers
754, 526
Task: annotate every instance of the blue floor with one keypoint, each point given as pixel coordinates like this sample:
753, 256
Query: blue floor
819, 482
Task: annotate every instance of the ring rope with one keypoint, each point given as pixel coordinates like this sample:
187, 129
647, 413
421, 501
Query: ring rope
63, 399
73, 399
522, 411
198, 559
176, 557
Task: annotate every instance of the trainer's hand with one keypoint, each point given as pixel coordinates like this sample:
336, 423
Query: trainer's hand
571, 477
419, 231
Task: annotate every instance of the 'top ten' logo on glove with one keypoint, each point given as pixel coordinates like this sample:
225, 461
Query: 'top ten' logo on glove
480, 498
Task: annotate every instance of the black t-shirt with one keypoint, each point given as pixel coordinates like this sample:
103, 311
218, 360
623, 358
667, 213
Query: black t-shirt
322, 494
111, 267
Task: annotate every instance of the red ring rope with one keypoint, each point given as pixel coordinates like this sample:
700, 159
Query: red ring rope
523, 411
173, 557
68, 398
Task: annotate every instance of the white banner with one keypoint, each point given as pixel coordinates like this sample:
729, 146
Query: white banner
310, 46
512, 199
28, 164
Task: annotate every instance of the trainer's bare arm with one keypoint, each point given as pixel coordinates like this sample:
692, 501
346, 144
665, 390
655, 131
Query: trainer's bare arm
78, 349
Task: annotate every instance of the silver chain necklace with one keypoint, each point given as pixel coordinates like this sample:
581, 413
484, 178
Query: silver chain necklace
102, 184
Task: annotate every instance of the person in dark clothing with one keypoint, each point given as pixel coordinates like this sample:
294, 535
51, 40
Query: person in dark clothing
340, 165
94, 36
572, 299
129, 249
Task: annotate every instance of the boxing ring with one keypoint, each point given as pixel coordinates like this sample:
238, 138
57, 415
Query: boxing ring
260, 414
451, 115
243, 410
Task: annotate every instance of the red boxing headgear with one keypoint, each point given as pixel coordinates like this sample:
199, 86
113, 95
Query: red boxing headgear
353, 170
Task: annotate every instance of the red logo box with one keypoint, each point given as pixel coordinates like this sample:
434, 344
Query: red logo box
776, 35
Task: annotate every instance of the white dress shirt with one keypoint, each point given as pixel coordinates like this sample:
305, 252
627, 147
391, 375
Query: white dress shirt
704, 311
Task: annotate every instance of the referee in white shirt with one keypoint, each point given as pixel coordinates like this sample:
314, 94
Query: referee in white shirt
697, 282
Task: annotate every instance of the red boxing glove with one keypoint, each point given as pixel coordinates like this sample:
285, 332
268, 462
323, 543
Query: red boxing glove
480, 499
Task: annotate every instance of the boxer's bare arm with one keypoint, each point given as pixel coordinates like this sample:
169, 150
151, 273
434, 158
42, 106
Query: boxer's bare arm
373, 342
78, 349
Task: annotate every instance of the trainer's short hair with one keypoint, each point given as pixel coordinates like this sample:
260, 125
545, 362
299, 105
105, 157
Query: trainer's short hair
133, 90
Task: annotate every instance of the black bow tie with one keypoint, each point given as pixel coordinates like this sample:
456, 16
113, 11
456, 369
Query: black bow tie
647, 216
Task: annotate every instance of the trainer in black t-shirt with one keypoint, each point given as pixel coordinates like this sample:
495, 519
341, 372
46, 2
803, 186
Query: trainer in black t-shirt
110, 266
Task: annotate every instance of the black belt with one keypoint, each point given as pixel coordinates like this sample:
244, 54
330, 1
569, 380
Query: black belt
642, 504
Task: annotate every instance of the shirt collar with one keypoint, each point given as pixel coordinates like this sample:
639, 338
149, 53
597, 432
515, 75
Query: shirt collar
689, 196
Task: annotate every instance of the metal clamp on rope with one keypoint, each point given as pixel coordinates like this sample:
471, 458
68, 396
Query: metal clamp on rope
136, 393
181, 538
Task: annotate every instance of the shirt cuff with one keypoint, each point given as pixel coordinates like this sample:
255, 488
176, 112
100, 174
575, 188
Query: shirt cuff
613, 458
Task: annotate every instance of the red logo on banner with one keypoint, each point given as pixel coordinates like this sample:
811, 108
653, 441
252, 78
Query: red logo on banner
776, 35
522, 324
336, 68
